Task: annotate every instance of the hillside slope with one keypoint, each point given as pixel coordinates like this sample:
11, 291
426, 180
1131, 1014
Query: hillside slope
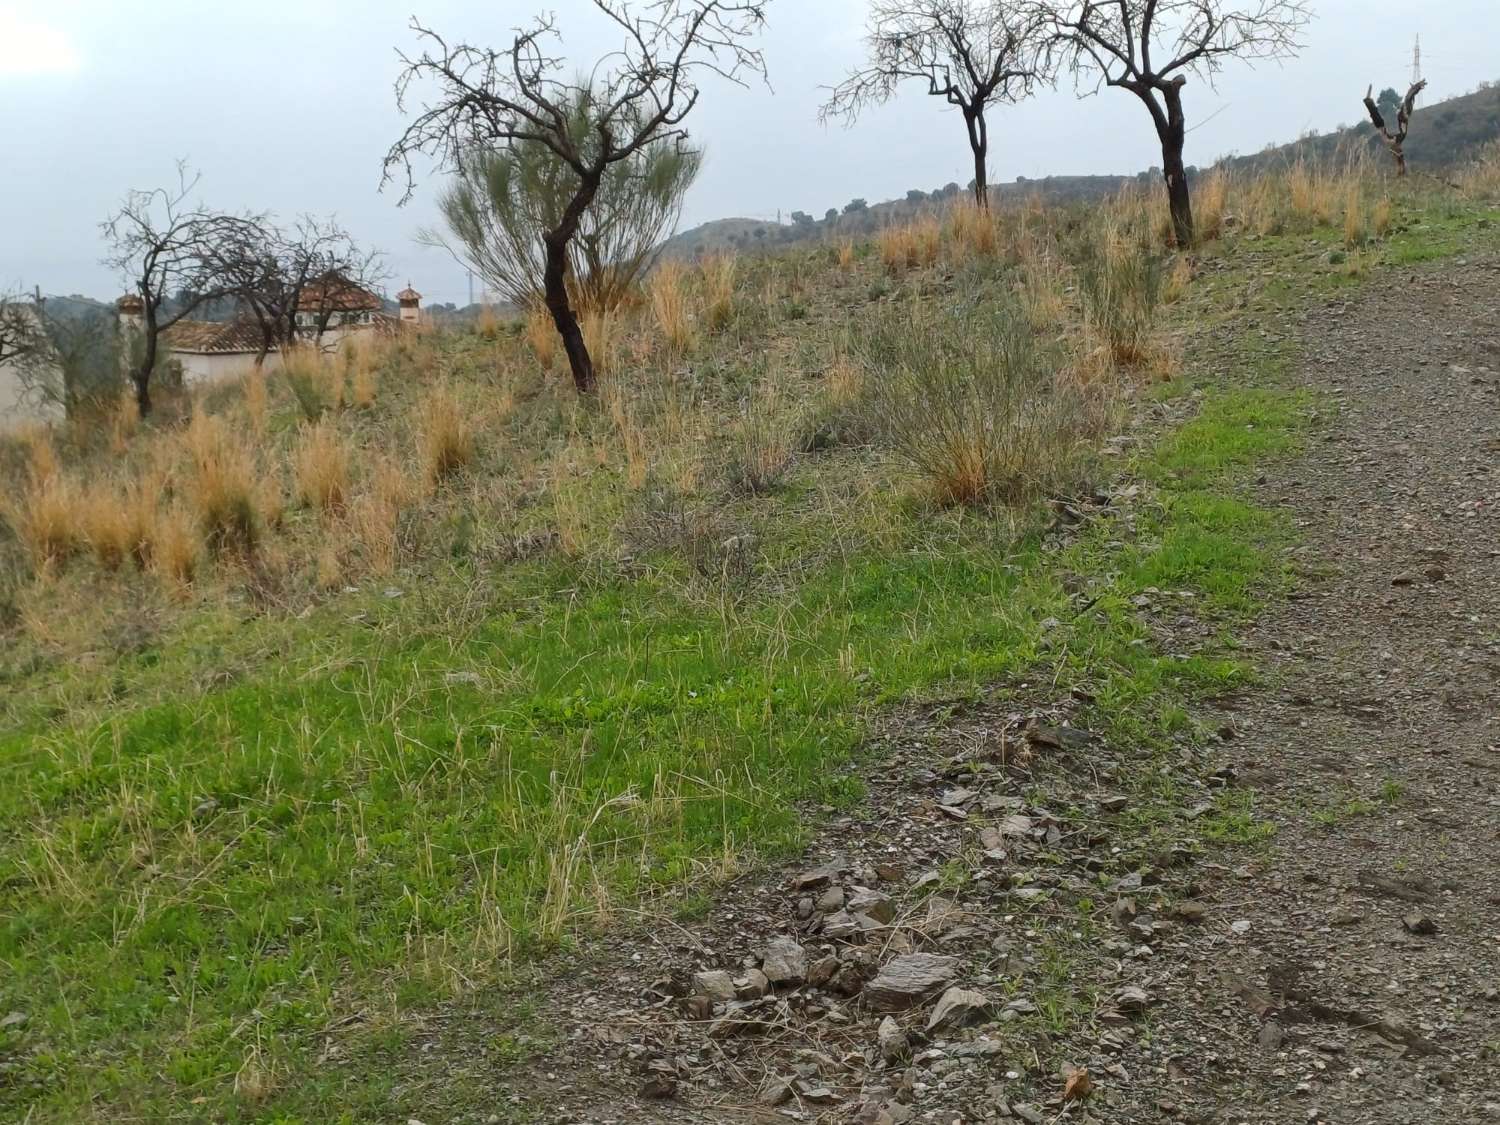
1443, 134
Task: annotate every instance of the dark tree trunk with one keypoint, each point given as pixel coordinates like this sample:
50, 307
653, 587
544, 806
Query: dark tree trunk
555, 292
1173, 138
979, 143
555, 284
141, 375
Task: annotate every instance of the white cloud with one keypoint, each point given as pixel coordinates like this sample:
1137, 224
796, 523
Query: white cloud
29, 47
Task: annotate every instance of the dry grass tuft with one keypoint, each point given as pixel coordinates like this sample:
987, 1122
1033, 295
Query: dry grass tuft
174, 546
1210, 204
1380, 217
1355, 232
110, 526
49, 519
667, 289
1179, 280
1122, 284
718, 289
320, 466
41, 454
315, 379
763, 439
363, 385
445, 437
487, 324
898, 252
541, 336
257, 395
973, 404
846, 254
124, 421
972, 231
222, 483
601, 335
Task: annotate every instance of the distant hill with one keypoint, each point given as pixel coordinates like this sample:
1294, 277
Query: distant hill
859, 218
1442, 135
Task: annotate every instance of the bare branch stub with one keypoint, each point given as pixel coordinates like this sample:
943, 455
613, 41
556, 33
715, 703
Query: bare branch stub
971, 53
1396, 141
470, 97
1149, 47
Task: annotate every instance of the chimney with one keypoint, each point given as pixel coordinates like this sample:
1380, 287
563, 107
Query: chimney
132, 312
411, 305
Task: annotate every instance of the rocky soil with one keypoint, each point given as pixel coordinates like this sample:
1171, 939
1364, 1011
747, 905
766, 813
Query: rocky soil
1028, 923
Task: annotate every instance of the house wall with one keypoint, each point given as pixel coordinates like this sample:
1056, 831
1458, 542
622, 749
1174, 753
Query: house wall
15, 410
199, 368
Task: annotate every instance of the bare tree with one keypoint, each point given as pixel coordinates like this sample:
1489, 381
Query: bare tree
164, 245
1150, 46
277, 274
76, 356
641, 93
20, 334
1396, 141
971, 53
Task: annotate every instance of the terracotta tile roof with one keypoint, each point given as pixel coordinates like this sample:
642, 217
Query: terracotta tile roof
337, 294
208, 338
408, 294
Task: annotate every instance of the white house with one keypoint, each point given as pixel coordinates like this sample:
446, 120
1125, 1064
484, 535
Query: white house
214, 350
17, 406
210, 350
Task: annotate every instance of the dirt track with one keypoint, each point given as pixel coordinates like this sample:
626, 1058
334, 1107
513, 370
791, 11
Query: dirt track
1348, 973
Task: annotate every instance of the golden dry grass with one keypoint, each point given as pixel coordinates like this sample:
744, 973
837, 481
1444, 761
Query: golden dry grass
1209, 205
1355, 233
541, 336
601, 335
718, 275
257, 395
221, 483
320, 467
668, 293
972, 231
48, 518
846, 253
109, 525
1381, 217
174, 546
445, 435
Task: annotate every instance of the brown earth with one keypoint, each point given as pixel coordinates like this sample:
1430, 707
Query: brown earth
1346, 972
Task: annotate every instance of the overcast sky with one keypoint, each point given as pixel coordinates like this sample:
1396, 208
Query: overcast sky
286, 105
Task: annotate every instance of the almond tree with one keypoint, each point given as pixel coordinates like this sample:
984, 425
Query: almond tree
276, 273
478, 99
1396, 141
973, 54
171, 253
1149, 47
